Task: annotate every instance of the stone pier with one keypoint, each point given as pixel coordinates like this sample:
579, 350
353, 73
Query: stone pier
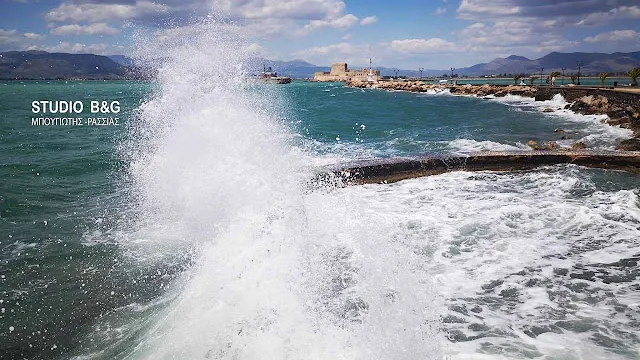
618, 96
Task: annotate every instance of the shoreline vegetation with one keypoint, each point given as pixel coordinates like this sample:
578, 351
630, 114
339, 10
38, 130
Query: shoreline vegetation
618, 111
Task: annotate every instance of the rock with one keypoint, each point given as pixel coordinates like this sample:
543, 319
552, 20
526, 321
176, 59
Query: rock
632, 144
548, 146
547, 110
528, 93
620, 121
578, 146
558, 130
564, 137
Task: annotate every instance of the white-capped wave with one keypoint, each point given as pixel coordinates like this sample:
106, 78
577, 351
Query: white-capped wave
470, 146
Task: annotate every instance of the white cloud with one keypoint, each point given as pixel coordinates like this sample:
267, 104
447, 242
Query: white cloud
423, 46
14, 40
440, 11
290, 9
79, 48
342, 52
341, 49
616, 35
369, 20
619, 13
525, 36
343, 22
92, 12
33, 36
474, 9
91, 29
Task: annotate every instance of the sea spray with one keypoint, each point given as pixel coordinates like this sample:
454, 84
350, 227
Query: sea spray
279, 272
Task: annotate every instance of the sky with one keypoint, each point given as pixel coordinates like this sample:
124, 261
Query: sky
407, 34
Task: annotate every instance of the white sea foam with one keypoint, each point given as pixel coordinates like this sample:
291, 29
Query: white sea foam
593, 132
278, 273
494, 242
463, 146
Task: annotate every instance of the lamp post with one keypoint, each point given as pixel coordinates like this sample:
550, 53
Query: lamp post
563, 69
421, 70
396, 72
579, 64
452, 69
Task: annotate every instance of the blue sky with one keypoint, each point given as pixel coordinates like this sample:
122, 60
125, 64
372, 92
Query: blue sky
434, 34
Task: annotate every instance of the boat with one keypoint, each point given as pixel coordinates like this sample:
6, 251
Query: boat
270, 76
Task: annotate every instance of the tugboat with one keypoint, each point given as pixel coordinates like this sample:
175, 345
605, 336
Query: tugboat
270, 76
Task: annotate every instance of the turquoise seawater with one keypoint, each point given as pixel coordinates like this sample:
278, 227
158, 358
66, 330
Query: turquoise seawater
184, 233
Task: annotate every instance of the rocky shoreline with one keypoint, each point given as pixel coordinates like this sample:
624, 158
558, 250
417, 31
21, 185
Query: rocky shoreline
619, 114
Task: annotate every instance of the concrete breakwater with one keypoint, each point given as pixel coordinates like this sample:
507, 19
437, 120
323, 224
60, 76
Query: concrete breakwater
392, 170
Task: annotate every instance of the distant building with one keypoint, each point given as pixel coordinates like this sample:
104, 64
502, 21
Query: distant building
340, 72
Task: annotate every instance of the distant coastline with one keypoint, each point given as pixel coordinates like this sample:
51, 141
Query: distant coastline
42, 65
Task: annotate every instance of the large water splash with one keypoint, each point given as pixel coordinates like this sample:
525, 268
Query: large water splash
280, 273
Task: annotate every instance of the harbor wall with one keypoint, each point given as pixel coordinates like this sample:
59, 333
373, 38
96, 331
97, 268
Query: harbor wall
572, 94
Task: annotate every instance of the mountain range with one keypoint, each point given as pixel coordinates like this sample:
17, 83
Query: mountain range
591, 63
35, 64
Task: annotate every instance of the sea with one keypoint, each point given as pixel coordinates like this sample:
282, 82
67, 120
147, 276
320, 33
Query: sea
190, 230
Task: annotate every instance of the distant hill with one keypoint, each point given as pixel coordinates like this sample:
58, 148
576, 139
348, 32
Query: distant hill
44, 65
121, 59
295, 68
593, 63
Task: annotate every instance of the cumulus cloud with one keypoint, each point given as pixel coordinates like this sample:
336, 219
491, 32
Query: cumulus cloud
33, 36
369, 20
91, 29
343, 22
290, 9
254, 18
615, 35
512, 37
79, 48
341, 52
561, 12
475, 9
105, 12
341, 48
440, 11
14, 40
618, 13
423, 46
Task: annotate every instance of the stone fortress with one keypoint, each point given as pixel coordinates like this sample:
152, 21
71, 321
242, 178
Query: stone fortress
340, 72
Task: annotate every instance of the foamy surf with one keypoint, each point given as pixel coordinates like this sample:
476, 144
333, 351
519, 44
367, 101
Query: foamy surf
592, 130
276, 273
